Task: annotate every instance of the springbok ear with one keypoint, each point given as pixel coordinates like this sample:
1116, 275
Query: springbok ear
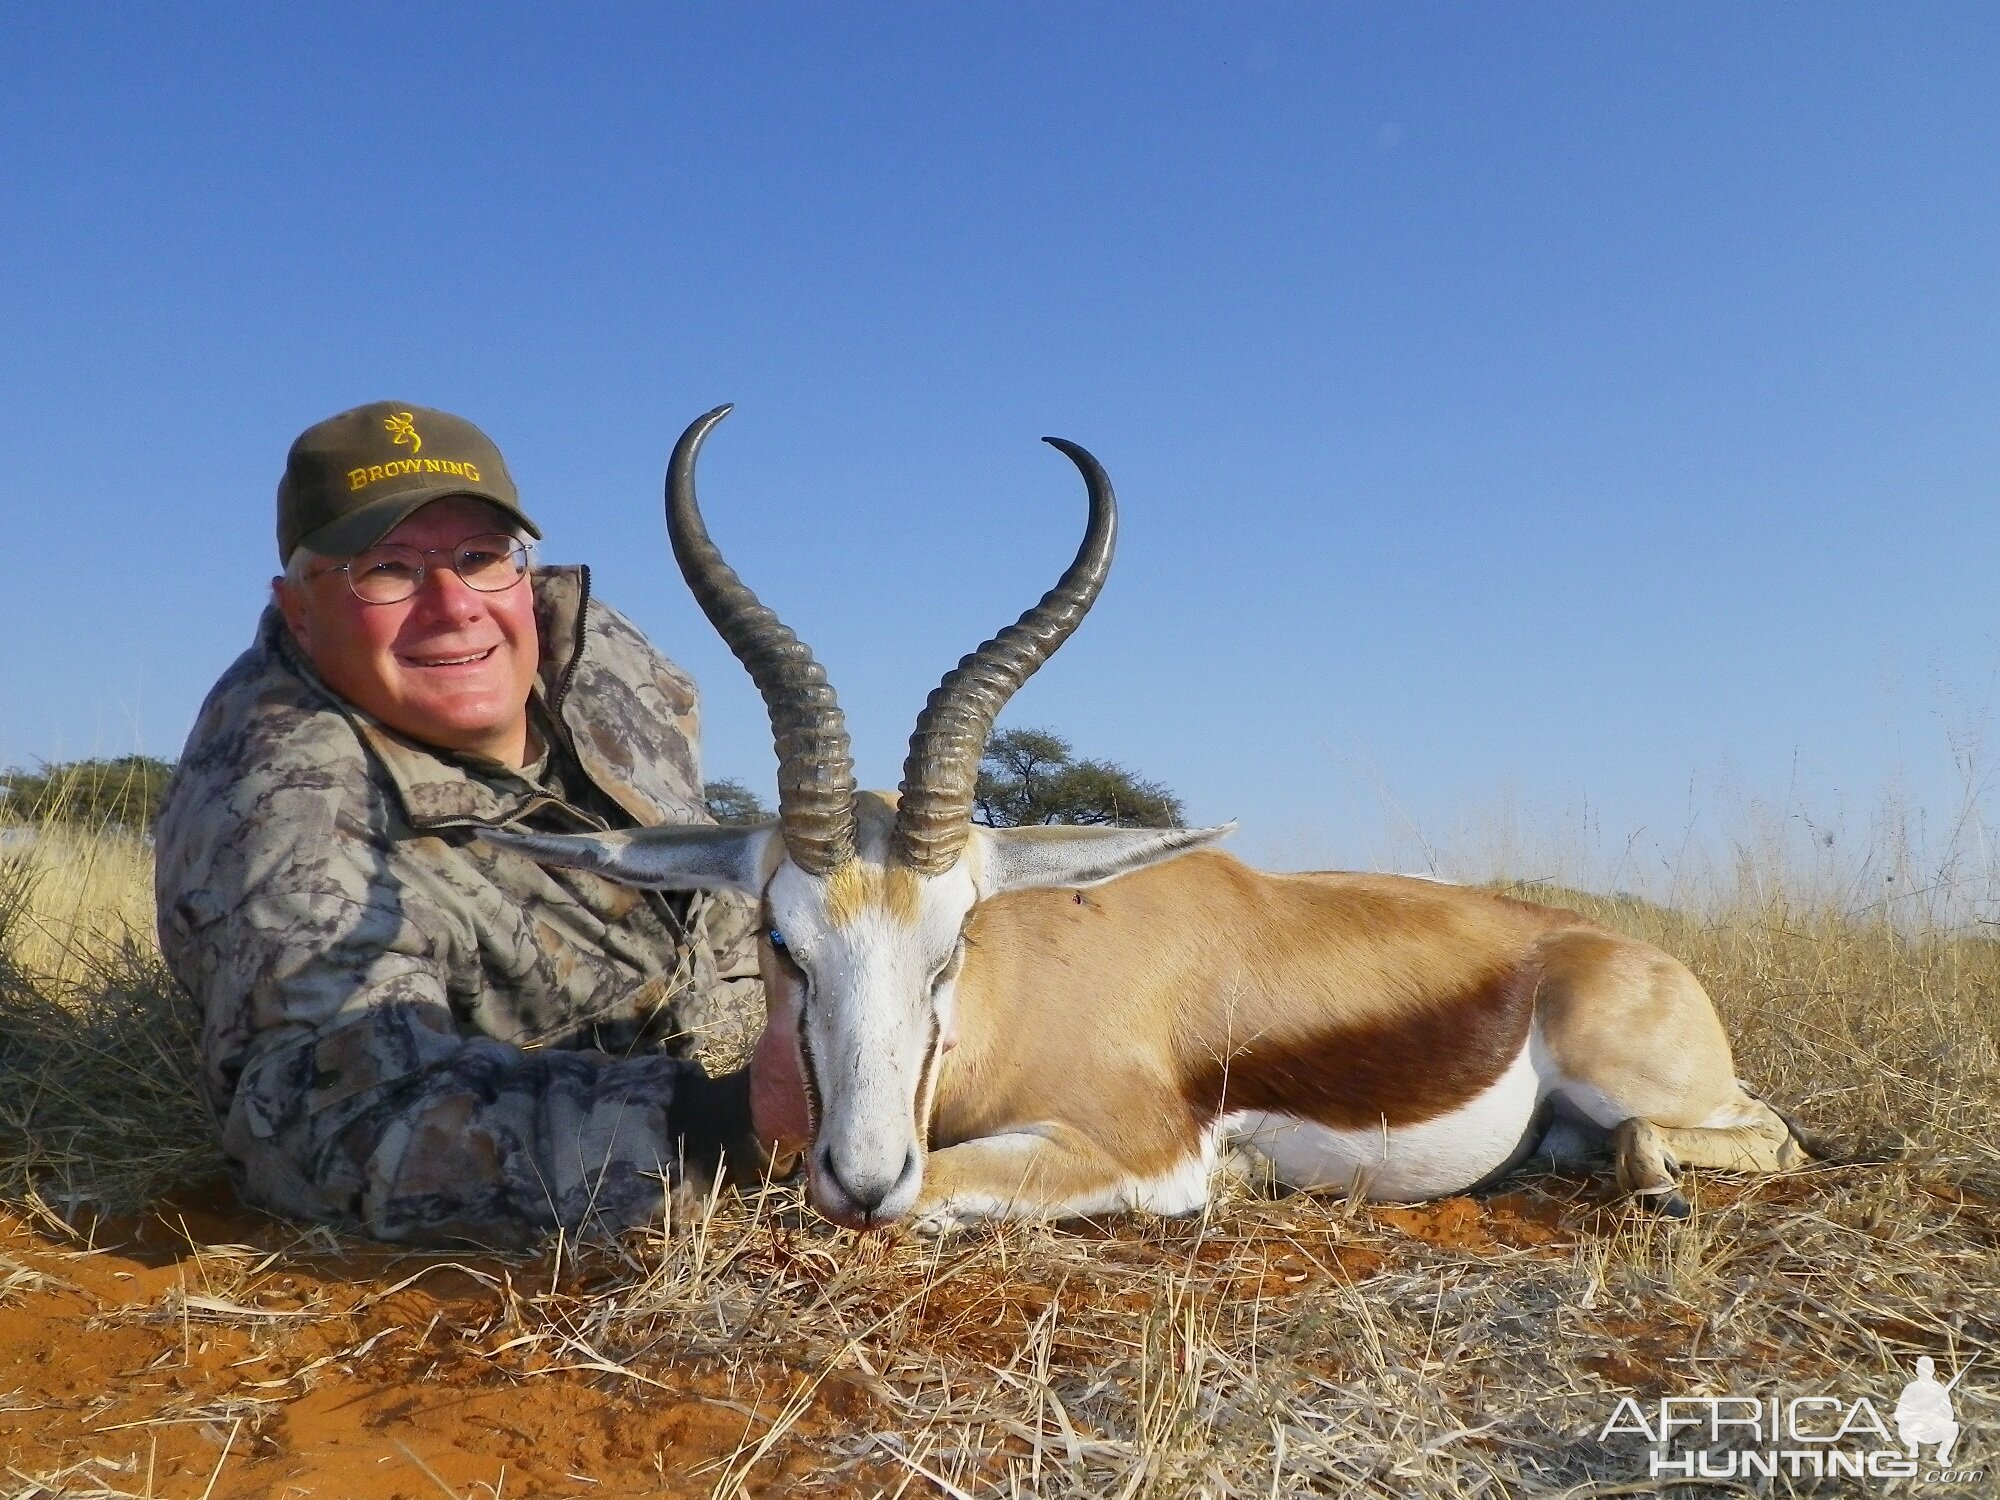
1020, 859
680, 858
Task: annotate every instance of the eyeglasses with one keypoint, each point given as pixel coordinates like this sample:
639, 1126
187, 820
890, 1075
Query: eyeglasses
390, 572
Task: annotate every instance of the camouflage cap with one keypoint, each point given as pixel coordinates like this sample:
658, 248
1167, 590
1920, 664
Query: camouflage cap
352, 479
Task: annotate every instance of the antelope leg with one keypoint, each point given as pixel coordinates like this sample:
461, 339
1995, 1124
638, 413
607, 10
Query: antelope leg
1048, 1171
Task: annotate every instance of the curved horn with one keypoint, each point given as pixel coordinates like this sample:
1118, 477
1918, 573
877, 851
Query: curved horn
815, 764
933, 819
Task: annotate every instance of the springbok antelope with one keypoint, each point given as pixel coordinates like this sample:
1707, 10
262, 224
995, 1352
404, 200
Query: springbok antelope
1066, 1021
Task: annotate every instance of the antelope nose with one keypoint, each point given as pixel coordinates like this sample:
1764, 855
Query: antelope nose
868, 1189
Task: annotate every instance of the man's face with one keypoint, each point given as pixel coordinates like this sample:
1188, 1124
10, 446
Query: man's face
449, 666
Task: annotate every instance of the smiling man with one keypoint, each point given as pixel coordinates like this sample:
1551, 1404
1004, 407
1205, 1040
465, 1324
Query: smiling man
408, 1031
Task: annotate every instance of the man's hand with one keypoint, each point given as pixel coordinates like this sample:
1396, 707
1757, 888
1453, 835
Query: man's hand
778, 1108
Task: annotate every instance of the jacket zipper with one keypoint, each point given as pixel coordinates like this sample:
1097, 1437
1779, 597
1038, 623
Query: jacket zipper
576, 651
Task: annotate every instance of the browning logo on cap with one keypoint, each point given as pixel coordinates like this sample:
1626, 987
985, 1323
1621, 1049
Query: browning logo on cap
355, 476
402, 427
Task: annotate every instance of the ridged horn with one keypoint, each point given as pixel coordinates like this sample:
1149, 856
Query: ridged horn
815, 761
933, 819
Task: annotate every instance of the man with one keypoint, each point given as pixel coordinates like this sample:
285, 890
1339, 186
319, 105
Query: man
409, 1032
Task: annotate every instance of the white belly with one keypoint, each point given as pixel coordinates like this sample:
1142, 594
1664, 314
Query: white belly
1443, 1155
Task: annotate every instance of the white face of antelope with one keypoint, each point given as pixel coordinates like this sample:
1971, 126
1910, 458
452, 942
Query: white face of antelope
866, 960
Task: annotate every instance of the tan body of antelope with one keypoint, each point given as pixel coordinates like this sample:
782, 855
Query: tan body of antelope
1058, 1021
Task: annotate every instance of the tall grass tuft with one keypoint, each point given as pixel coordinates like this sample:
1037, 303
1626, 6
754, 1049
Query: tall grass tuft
100, 1109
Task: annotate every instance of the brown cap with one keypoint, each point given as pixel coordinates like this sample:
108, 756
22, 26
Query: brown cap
352, 479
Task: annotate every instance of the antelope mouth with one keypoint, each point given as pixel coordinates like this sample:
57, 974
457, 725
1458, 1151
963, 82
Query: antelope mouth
844, 1215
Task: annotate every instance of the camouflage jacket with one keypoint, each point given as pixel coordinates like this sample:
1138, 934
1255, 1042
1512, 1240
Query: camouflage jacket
408, 1031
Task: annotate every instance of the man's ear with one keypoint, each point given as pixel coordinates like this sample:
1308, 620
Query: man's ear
678, 858
292, 605
1025, 858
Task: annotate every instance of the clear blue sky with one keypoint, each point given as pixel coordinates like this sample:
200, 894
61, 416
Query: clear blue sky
1592, 411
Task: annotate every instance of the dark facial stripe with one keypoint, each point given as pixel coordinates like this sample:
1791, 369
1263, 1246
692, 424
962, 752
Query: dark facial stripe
1402, 1068
815, 1108
926, 1072
808, 1070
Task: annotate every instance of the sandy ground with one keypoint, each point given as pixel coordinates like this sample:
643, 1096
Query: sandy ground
196, 1350
200, 1350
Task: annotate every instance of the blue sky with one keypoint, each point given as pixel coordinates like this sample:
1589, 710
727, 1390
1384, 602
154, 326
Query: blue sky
1581, 415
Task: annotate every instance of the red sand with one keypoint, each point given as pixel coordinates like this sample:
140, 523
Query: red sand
372, 1374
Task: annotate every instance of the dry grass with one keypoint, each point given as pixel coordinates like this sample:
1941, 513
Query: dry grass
1297, 1346
99, 1056
67, 897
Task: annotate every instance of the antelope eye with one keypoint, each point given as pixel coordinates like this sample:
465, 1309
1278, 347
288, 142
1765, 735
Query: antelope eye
782, 952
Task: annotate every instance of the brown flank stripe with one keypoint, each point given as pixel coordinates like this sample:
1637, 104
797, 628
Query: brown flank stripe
1402, 1067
